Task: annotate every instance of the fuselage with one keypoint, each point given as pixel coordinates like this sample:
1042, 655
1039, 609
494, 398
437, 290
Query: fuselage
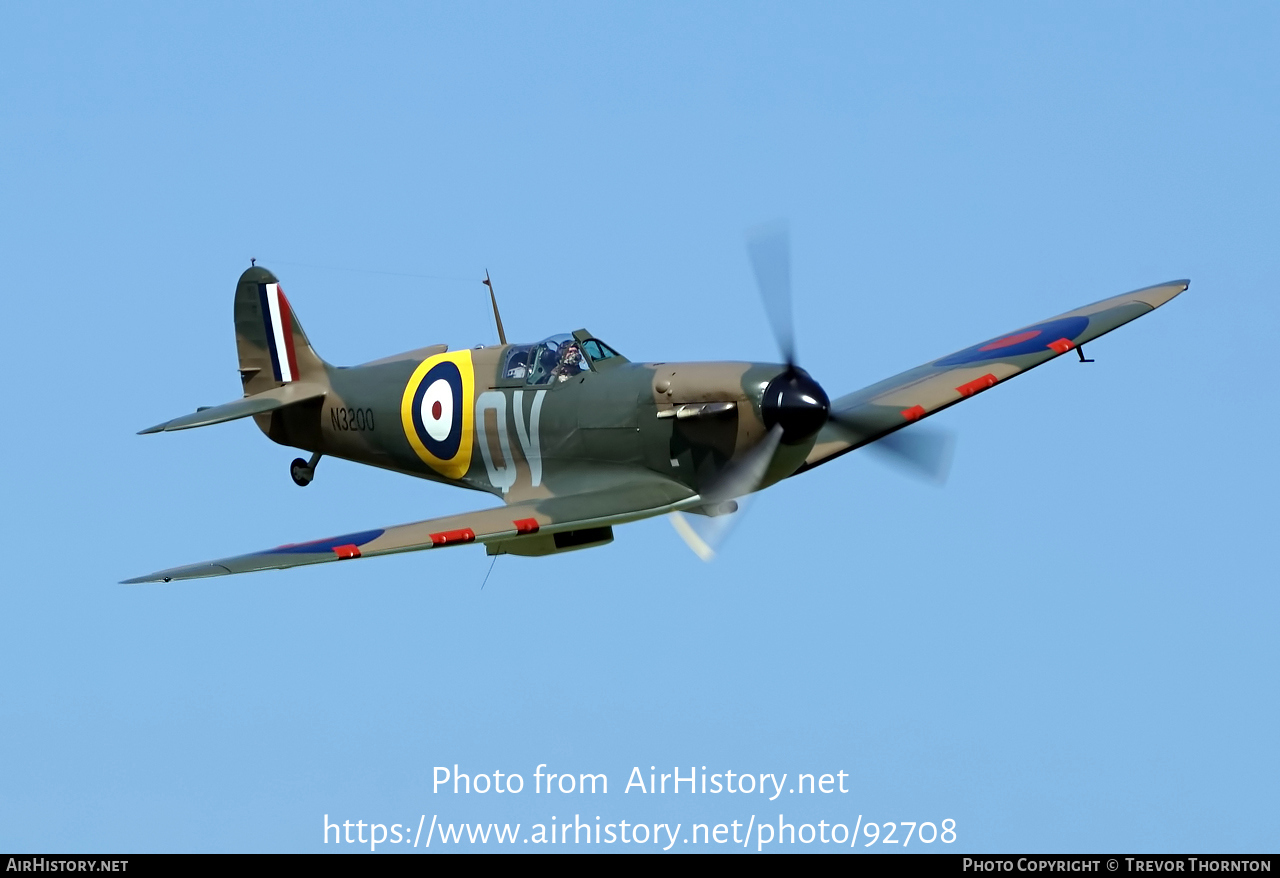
500, 419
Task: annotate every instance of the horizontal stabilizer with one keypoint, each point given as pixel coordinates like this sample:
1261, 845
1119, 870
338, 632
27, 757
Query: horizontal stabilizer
259, 403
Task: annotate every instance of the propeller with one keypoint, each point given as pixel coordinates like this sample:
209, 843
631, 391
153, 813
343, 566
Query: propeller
769, 247
737, 480
793, 399
745, 475
795, 407
919, 452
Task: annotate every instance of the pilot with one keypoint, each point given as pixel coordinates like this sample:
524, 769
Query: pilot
570, 361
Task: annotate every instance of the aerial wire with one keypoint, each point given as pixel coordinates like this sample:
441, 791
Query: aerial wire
486, 576
370, 271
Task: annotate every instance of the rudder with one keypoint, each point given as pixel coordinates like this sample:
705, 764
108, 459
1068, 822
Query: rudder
272, 345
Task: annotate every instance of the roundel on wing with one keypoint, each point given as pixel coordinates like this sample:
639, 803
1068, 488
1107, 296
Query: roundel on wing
1032, 340
436, 412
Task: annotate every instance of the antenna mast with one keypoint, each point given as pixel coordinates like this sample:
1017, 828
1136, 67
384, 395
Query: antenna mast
502, 335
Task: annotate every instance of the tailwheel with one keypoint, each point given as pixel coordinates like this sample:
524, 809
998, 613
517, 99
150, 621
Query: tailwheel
303, 471
302, 474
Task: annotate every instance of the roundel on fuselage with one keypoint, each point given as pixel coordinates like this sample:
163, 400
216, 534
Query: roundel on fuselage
437, 413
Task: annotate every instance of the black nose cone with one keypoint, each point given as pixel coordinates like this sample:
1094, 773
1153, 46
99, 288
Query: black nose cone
798, 403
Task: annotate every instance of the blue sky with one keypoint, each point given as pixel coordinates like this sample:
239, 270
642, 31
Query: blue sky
1068, 648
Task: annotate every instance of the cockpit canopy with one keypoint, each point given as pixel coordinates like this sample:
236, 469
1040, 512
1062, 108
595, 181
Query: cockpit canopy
554, 359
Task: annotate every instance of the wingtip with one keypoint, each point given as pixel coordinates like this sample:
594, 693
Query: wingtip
1158, 294
158, 428
151, 577
191, 571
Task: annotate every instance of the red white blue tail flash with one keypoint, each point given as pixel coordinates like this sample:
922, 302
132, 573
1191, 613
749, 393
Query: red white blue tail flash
279, 325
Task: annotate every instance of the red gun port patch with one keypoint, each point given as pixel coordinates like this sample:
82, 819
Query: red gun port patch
1062, 345
449, 537
977, 385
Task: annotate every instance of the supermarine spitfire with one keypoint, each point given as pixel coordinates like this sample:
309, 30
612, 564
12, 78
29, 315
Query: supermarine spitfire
576, 438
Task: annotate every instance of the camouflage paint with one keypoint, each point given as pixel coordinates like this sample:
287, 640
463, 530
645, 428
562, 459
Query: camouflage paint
619, 442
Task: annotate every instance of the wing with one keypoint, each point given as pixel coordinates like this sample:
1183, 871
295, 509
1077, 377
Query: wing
873, 412
525, 520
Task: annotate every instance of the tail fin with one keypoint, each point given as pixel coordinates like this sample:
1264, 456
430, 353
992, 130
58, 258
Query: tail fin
274, 350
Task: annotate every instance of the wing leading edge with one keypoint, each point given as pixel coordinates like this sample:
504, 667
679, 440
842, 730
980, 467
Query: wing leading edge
873, 412
527, 519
